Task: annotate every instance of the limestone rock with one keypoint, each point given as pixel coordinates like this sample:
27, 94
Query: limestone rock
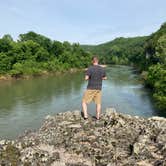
66, 139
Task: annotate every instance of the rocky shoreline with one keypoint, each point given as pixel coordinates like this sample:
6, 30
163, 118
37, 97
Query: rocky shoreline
66, 139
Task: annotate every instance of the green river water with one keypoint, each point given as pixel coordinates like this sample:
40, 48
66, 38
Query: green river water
25, 103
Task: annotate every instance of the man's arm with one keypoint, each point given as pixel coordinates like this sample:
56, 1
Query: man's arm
104, 78
104, 75
86, 77
87, 74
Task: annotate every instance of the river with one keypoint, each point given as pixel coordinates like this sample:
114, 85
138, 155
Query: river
25, 103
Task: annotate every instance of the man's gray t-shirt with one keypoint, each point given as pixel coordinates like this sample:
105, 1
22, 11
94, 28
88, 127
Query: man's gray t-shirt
95, 73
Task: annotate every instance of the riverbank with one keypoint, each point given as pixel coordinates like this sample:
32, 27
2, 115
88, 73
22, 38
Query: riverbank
8, 77
66, 139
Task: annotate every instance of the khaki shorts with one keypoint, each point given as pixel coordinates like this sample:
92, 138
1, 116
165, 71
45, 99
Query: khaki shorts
92, 95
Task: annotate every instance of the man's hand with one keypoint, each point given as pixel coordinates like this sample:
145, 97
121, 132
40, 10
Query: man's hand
104, 78
86, 77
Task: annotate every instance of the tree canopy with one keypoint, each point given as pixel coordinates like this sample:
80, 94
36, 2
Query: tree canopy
34, 53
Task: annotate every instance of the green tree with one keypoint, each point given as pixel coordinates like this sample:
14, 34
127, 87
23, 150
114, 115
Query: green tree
42, 55
157, 80
57, 48
37, 38
34, 53
5, 63
161, 49
29, 49
67, 46
8, 37
5, 45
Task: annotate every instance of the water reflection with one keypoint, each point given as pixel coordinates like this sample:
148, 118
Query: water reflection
25, 102
38, 90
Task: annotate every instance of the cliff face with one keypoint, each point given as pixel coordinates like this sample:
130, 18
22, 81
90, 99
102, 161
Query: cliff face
66, 139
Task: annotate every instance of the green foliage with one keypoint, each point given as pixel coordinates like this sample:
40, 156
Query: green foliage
119, 51
161, 49
17, 69
5, 45
34, 53
156, 49
151, 43
5, 62
53, 65
37, 38
7, 37
28, 67
157, 80
57, 48
41, 55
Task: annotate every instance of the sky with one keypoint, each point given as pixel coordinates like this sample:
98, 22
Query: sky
82, 21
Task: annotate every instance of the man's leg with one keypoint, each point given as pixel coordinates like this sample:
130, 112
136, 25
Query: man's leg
84, 109
98, 104
98, 111
86, 99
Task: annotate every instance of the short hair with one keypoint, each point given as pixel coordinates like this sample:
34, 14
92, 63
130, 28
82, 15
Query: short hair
95, 59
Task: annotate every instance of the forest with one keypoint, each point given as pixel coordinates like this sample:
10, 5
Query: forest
34, 54
147, 54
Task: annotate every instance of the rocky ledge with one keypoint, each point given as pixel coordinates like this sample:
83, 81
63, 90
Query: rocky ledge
66, 139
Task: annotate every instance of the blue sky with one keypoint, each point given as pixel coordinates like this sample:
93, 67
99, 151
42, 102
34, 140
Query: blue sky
83, 21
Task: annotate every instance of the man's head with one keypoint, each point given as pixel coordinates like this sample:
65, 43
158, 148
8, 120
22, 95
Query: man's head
95, 60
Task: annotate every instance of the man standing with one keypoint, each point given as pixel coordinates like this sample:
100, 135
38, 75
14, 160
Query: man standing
95, 74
